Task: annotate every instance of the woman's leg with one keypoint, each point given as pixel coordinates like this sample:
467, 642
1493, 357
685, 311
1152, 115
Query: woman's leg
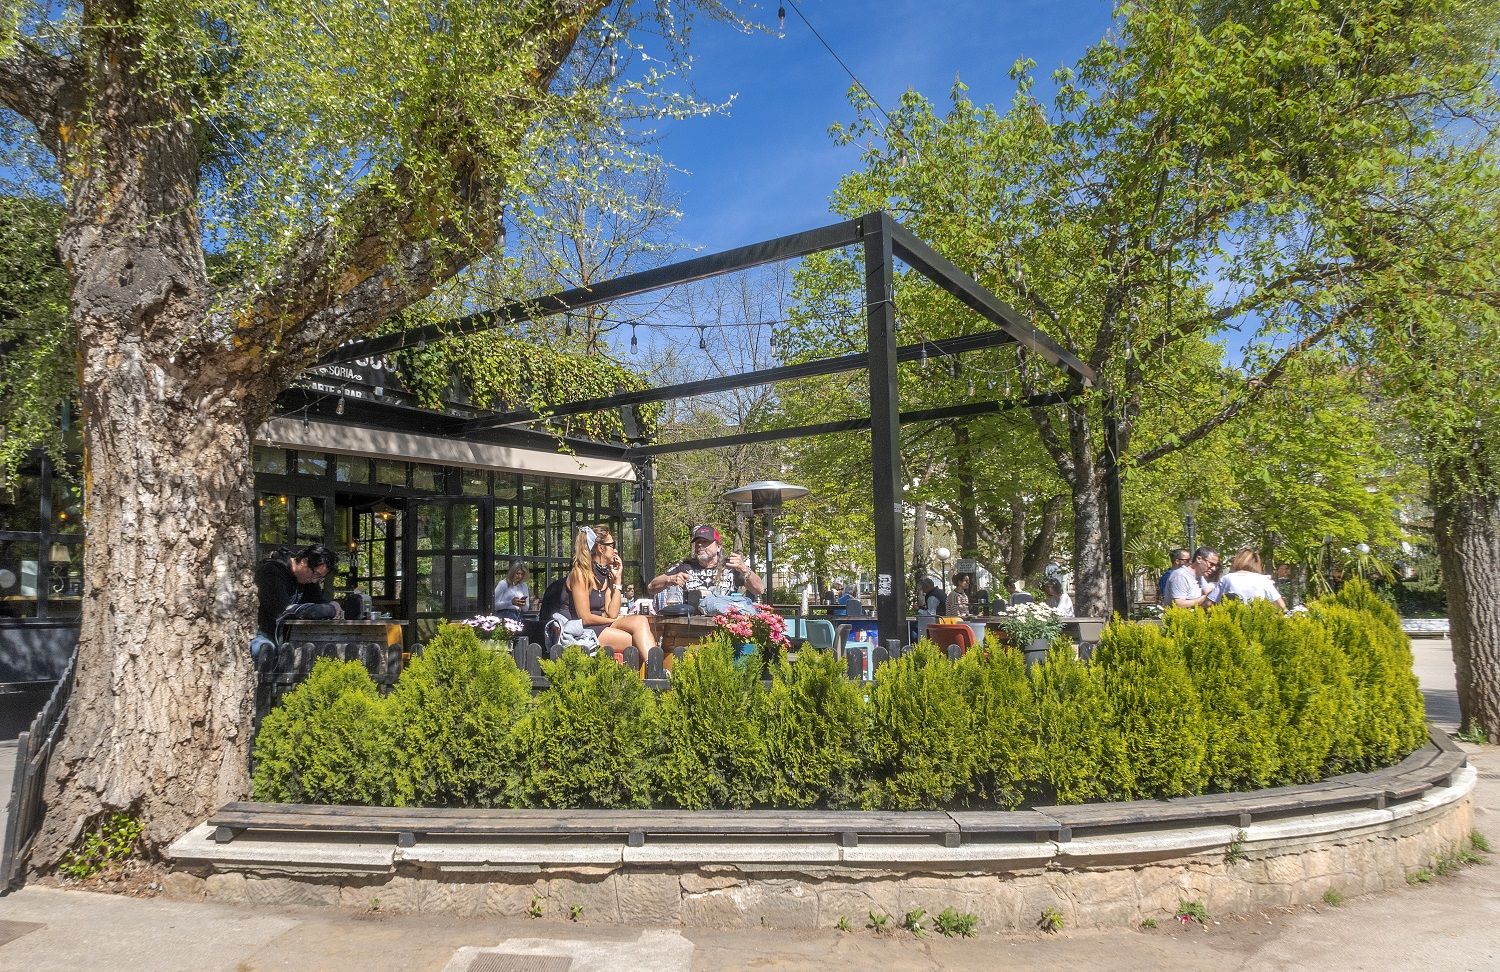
638, 626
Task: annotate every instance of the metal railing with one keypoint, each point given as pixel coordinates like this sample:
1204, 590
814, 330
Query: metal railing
33, 751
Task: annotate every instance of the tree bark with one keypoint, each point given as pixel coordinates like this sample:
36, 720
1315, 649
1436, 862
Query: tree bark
160, 715
1467, 528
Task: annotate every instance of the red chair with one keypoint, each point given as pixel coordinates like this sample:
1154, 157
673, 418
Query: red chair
951, 638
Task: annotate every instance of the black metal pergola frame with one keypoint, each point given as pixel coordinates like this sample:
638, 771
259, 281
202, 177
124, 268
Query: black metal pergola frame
884, 241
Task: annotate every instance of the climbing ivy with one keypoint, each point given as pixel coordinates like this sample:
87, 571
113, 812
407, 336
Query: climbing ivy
36, 339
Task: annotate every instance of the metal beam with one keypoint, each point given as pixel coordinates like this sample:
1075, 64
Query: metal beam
885, 430
766, 376
632, 284
1114, 510
943, 272
968, 409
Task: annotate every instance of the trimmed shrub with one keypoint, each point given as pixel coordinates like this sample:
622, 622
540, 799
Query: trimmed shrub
1073, 744
1388, 707
920, 751
451, 719
1360, 596
1237, 689
325, 742
589, 740
713, 751
999, 695
815, 728
1157, 717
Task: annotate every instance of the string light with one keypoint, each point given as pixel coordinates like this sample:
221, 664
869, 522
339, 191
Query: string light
773, 343
339, 408
634, 344
567, 327
781, 19
702, 341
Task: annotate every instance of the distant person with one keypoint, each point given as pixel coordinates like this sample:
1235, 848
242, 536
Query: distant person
1180, 558
929, 602
290, 586
845, 605
512, 593
1056, 598
1189, 586
1246, 582
958, 597
1019, 594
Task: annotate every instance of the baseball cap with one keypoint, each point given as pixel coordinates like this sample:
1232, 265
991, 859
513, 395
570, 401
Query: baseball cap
705, 533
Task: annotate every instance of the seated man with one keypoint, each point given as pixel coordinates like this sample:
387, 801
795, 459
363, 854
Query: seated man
712, 575
291, 587
846, 605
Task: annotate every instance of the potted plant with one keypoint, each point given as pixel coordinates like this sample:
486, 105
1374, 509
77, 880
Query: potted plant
1032, 627
763, 631
491, 627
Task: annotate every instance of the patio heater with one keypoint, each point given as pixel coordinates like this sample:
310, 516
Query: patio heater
1188, 506
766, 497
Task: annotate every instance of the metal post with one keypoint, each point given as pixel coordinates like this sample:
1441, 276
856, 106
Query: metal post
1113, 510
885, 426
1191, 525
646, 490
770, 529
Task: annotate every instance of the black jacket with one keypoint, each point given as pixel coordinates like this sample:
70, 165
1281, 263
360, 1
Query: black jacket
279, 592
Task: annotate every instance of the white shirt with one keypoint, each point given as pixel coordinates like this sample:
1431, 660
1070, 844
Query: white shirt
1064, 607
1246, 585
505, 592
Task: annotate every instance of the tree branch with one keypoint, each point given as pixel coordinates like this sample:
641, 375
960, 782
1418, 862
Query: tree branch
43, 89
1257, 386
399, 244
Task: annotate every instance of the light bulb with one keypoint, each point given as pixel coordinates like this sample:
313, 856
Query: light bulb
634, 344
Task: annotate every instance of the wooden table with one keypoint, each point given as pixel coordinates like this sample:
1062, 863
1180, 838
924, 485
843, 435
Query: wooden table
673, 633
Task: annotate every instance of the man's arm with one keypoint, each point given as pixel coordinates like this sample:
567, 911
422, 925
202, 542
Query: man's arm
675, 578
1186, 590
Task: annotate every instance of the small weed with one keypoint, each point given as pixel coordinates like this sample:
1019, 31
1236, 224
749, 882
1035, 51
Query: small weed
880, 922
913, 921
1051, 920
1148, 923
1235, 852
1479, 842
535, 910
1333, 897
110, 845
1420, 876
1475, 734
1191, 911
843, 924
950, 923
373, 906
575, 912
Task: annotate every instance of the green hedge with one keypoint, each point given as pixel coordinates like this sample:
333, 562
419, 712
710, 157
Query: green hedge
1236, 698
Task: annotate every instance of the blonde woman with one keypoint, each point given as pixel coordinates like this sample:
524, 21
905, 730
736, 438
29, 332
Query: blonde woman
595, 595
512, 593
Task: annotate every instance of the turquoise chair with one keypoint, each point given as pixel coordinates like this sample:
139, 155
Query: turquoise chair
819, 634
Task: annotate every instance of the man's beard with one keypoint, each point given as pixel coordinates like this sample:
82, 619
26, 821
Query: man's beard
706, 558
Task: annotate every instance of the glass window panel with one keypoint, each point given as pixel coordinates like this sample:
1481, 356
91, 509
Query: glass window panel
530, 490
432, 533
352, 470
465, 527
67, 506
429, 478
312, 464
271, 512
464, 586
270, 460
65, 578
390, 473
432, 585
505, 486
20, 579
310, 520
559, 493
474, 482
21, 500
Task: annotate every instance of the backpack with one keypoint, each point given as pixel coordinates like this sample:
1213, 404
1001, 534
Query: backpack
555, 600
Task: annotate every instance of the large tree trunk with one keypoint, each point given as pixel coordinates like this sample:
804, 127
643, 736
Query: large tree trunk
1467, 528
160, 713
1091, 595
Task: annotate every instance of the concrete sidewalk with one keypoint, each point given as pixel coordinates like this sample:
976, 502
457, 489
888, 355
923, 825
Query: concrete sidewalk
1452, 923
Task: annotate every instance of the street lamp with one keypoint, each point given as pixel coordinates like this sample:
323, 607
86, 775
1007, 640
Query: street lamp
766, 497
1188, 506
943, 553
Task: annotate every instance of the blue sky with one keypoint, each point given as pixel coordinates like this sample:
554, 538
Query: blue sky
767, 166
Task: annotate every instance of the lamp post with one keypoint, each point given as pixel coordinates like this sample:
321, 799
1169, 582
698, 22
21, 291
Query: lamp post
943, 553
766, 497
1188, 506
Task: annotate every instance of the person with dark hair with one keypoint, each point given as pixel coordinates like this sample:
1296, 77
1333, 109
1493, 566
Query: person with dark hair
958, 596
845, 605
1190, 586
290, 586
1055, 596
1180, 558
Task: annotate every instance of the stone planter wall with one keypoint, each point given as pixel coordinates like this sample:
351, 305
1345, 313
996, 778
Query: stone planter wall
1102, 880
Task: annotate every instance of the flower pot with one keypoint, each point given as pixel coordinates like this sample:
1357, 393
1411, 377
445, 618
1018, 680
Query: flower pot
1036, 651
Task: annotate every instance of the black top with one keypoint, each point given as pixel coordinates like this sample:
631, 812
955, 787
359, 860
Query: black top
710, 580
280, 593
